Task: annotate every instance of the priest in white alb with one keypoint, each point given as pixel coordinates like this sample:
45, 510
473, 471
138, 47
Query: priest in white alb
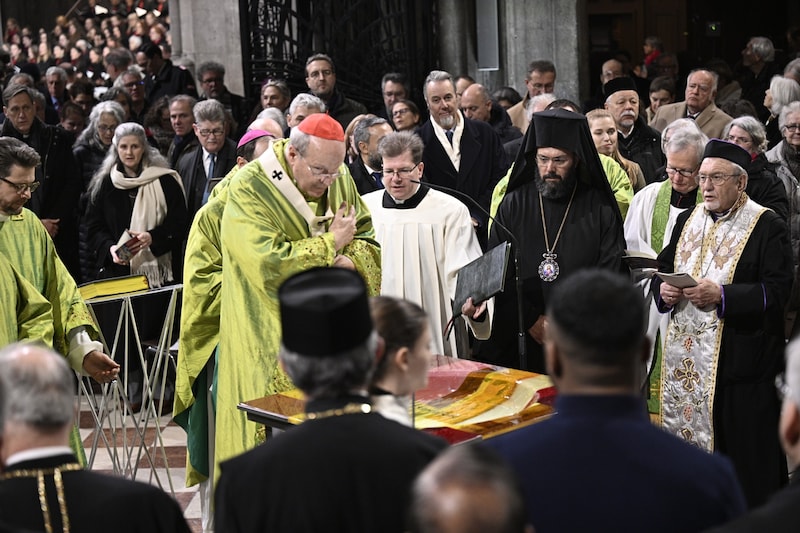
426, 236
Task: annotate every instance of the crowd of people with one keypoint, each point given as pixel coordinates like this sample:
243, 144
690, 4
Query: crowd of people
319, 247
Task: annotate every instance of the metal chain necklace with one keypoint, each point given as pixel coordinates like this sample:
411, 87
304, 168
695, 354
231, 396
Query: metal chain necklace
548, 268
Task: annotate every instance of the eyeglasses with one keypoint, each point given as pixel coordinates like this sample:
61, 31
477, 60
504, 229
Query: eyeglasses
716, 179
400, 112
792, 127
320, 173
216, 132
106, 129
22, 187
212, 80
782, 387
685, 172
400, 172
320, 74
557, 161
133, 84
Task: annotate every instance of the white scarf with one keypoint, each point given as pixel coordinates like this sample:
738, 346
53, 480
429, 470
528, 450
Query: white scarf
149, 211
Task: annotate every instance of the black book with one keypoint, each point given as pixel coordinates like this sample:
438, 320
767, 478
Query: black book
482, 278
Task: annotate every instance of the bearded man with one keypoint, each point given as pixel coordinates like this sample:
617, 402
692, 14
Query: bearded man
560, 205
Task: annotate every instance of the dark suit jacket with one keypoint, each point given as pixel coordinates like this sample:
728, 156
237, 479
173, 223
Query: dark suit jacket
483, 163
95, 502
781, 514
342, 474
624, 473
364, 181
193, 173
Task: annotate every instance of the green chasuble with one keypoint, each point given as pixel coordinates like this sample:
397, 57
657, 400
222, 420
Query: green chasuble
199, 333
26, 315
26, 244
264, 241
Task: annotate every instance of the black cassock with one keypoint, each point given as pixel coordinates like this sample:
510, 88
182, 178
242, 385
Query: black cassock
592, 237
746, 406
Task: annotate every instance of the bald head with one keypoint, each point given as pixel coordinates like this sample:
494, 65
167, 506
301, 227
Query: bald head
267, 124
476, 103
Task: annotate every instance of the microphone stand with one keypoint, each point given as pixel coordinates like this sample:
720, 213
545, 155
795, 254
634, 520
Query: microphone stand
522, 349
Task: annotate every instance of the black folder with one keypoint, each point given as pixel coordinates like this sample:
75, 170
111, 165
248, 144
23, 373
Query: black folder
482, 278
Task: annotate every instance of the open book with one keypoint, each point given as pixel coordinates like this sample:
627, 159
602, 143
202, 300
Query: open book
677, 279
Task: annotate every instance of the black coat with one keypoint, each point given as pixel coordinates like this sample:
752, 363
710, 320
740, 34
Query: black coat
766, 188
643, 146
57, 196
89, 157
501, 123
169, 81
364, 181
193, 173
109, 215
95, 502
746, 407
342, 474
483, 164
781, 514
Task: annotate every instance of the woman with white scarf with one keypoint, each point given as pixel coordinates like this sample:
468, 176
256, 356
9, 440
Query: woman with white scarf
135, 192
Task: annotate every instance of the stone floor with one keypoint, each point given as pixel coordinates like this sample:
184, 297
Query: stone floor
117, 454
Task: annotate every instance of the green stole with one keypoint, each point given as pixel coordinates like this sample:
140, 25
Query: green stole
706, 249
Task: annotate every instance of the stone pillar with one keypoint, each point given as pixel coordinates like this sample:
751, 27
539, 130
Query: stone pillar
529, 30
208, 30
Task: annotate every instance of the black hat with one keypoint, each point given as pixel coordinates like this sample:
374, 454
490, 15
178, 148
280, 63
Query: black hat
618, 84
324, 312
727, 150
558, 128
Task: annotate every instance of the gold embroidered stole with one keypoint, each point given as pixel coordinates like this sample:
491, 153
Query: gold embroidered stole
281, 180
712, 250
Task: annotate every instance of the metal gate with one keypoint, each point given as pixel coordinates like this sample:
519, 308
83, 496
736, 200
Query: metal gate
365, 39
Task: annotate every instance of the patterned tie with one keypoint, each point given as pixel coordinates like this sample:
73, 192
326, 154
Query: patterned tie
378, 178
212, 164
449, 135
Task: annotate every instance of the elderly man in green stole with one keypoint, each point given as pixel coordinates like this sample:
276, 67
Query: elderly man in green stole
199, 335
26, 244
294, 208
725, 341
649, 225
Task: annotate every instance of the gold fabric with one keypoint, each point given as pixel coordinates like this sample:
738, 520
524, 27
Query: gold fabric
264, 241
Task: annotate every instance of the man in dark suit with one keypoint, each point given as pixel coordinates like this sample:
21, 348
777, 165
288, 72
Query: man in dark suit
162, 77
211, 76
202, 169
460, 153
625, 474
781, 514
42, 486
367, 168
346, 468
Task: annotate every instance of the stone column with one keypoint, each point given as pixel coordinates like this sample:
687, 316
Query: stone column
208, 30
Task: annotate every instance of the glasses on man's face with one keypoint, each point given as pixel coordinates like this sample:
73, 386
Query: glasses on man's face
320, 172
792, 127
685, 172
216, 132
134, 84
716, 179
556, 161
21, 188
400, 172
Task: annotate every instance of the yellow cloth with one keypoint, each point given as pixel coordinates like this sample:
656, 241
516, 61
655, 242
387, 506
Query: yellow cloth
26, 315
264, 241
615, 174
27, 246
199, 333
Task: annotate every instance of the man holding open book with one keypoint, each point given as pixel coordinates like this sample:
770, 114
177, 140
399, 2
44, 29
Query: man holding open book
724, 345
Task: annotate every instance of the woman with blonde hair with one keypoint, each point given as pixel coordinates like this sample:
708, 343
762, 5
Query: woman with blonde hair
604, 133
